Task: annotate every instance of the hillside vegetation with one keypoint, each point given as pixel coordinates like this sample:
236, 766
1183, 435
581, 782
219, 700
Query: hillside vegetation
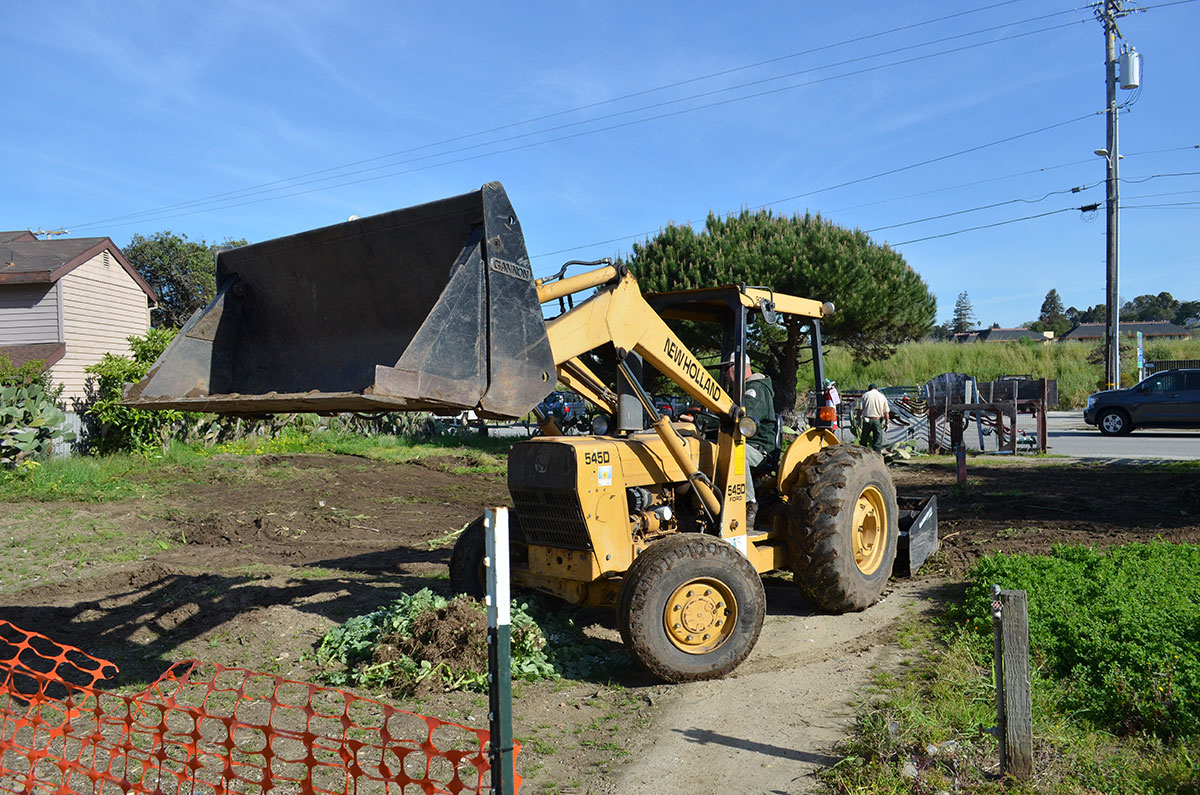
1078, 366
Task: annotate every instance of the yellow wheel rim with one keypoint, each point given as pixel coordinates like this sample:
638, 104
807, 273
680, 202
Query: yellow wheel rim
870, 530
700, 615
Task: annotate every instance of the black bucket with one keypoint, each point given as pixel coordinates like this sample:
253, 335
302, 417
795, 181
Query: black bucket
429, 308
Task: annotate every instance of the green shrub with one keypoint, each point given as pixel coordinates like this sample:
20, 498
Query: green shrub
122, 429
1119, 630
29, 373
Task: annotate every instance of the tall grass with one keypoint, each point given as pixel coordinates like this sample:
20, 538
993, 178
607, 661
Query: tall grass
1077, 366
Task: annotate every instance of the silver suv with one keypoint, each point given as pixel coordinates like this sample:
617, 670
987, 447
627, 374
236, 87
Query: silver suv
1170, 399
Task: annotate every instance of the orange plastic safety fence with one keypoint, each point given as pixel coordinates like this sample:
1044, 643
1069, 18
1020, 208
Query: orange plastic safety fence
33, 652
206, 729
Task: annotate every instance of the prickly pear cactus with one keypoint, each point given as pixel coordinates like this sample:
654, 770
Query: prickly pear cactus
30, 424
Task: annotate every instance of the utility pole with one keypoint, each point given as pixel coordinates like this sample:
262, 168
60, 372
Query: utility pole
1112, 295
1130, 77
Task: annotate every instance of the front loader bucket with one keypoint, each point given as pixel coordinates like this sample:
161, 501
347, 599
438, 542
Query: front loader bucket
430, 308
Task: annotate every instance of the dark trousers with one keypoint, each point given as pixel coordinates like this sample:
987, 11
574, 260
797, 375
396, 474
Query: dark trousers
872, 434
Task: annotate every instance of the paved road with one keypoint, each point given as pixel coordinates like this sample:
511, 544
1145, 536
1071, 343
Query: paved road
1070, 435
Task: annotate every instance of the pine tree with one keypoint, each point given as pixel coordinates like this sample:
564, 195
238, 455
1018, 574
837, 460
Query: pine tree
964, 314
880, 300
1053, 316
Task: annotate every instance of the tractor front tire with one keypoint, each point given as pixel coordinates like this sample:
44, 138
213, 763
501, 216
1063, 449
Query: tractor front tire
466, 561
843, 528
691, 607
467, 573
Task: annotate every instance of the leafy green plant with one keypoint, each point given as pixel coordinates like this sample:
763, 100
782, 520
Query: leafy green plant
1118, 630
424, 640
30, 423
28, 373
123, 429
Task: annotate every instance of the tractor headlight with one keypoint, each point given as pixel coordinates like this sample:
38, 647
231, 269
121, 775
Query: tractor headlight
747, 427
600, 425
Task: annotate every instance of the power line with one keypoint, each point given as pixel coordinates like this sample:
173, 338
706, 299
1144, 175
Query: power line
1159, 195
1002, 177
844, 184
1139, 180
961, 185
983, 207
1087, 208
217, 199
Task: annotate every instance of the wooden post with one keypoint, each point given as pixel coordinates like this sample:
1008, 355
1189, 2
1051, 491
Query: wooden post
1043, 406
1014, 698
998, 668
1015, 414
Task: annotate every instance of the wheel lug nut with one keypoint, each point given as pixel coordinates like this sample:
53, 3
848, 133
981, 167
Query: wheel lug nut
707, 591
690, 594
675, 609
677, 626
688, 638
707, 636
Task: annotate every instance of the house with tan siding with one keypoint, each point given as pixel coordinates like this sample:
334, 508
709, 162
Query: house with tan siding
68, 302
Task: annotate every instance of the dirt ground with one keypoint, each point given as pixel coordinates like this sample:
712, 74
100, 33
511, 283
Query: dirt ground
250, 564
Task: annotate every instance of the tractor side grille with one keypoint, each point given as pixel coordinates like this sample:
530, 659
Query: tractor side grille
552, 518
542, 484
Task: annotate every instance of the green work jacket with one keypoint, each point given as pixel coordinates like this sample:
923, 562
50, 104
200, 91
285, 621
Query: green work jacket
759, 402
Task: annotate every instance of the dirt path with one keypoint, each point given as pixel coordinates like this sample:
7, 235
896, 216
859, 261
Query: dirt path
777, 720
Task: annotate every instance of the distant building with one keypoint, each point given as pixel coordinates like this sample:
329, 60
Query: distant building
1159, 330
68, 302
1004, 335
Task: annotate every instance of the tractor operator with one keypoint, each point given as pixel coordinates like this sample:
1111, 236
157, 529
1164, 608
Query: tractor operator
758, 400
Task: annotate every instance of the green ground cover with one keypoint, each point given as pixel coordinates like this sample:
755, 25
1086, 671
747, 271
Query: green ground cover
1116, 683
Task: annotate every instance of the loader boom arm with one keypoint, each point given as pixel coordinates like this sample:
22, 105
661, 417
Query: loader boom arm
619, 314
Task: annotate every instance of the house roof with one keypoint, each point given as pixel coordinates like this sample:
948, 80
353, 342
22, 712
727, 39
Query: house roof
1009, 334
1090, 331
49, 352
27, 260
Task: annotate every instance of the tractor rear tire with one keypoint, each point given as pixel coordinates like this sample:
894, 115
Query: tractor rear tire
843, 528
691, 607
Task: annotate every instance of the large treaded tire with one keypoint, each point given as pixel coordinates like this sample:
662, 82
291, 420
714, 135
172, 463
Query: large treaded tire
663, 577
844, 494
466, 561
467, 575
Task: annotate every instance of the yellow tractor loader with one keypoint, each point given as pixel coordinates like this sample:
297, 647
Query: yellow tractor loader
435, 308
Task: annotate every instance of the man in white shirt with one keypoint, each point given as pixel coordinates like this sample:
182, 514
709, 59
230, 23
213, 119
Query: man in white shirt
874, 411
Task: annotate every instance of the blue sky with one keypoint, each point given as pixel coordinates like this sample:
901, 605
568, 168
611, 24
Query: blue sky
606, 121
